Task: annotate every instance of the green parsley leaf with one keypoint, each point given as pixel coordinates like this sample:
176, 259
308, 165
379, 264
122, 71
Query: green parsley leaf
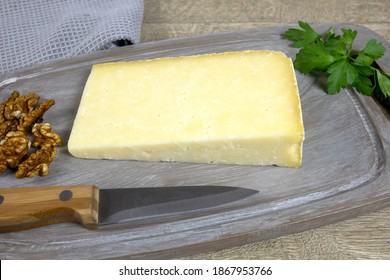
363, 84
341, 74
384, 82
335, 46
313, 57
364, 70
333, 54
302, 37
348, 36
371, 52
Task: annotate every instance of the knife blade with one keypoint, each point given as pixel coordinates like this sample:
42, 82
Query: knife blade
30, 207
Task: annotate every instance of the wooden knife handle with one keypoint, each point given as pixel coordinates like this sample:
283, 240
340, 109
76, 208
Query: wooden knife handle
30, 207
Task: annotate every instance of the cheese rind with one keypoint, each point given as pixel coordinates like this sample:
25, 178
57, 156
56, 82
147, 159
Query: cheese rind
231, 108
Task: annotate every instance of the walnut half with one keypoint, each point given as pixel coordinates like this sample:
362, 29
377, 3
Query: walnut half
13, 148
38, 162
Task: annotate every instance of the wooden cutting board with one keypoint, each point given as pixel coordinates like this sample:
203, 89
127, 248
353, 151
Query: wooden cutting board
345, 170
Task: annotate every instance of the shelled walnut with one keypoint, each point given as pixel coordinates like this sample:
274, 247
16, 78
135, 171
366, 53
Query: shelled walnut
13, 148
21, 117
38, 162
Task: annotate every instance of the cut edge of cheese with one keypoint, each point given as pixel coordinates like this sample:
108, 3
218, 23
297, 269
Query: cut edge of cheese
208, 115
240, 152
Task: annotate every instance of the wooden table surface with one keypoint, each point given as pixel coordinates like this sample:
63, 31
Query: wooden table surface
362, 237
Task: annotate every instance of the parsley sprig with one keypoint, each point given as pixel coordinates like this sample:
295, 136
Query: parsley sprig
344, 66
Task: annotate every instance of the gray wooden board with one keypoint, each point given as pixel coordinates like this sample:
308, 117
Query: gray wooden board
345, 170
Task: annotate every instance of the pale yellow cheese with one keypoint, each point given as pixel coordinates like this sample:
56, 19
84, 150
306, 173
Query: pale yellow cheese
227, 108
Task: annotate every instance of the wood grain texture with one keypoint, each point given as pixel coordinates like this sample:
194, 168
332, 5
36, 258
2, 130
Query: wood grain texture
26, 208
364, 237
178, 18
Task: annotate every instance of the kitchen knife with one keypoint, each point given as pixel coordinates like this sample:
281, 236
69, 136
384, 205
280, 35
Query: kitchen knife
29, 207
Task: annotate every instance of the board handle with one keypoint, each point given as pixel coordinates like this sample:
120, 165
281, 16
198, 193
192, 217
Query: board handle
31, 207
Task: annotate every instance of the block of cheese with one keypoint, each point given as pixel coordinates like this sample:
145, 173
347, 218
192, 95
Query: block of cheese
222, 108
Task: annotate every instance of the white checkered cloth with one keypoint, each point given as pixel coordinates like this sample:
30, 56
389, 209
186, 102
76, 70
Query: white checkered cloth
36, 31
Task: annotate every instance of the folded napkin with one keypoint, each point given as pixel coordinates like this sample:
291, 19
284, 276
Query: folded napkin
35, 31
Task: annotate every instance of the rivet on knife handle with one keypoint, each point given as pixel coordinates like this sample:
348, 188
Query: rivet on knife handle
30, 207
